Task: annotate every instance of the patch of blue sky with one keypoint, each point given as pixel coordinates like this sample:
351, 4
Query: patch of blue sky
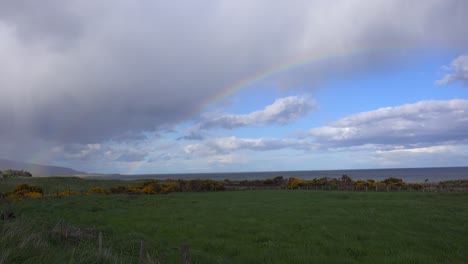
411, 82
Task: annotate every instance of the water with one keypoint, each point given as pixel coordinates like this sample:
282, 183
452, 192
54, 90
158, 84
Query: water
408, 174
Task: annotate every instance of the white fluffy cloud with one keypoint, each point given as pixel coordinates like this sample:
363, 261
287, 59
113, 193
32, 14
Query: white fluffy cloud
406, 128
425, 122
434, 156
282, 111
458, 69
231, 144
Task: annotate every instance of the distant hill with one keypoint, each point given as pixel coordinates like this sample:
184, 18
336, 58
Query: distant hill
36, 169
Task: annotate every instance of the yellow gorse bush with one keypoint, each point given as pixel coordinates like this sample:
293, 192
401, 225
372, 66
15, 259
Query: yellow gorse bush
149, 189
33, 195
68, 193
97, 190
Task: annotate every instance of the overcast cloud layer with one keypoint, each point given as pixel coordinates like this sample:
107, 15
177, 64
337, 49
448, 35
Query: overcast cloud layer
87, 72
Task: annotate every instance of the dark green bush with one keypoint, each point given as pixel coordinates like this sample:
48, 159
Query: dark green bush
15, 173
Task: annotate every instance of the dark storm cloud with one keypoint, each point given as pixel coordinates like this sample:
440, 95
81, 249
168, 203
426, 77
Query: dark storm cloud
53, 23
133, 68
83, 72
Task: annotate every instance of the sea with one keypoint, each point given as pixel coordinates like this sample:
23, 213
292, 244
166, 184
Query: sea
407, 174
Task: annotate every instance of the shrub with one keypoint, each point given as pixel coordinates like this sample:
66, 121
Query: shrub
66, 193
371, 183
26, 188
415, 186
118, 189
33, 195
172, 187
269, 181
98, 190
199, 185
294, 183
394, 181
153, 186
346, 179
15, 173
278, 179
360, 184
134, 190
149, 189
13, 196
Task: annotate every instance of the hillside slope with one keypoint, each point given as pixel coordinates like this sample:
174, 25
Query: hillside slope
36, 169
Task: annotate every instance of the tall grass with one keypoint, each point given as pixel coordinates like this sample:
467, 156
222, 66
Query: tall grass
23, 241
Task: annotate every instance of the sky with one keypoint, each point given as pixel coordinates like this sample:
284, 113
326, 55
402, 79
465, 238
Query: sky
155, 86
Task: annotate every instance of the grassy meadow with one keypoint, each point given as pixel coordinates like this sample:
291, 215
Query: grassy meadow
259, 226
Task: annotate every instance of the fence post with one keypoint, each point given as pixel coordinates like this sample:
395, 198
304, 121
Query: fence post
140, 259
185, 253
100, 243
61, 231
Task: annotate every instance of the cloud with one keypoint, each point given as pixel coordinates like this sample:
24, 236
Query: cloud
230, 144
281, 112
434, 156
422, 127
54, 24
428, 150
85, 72
83, 152
99, 152
227, 159
194, 133
132, 156
425, 122
459, 71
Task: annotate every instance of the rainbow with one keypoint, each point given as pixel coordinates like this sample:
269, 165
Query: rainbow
271, 71
262, 75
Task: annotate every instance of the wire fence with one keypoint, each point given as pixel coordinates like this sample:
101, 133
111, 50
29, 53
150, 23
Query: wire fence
94, 241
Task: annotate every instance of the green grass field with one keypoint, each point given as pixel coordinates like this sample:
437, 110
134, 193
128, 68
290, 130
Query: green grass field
262, 226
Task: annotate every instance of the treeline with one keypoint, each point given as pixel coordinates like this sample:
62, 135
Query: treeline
151, 187
14, 173
346, 183
168, 186
147, 187
278, 181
